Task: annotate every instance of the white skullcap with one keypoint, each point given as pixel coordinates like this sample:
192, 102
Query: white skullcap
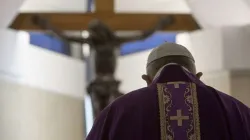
168, 49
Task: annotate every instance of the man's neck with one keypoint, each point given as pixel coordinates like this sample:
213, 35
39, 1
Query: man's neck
159, 71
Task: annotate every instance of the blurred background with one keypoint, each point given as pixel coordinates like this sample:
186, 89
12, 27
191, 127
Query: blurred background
44, 75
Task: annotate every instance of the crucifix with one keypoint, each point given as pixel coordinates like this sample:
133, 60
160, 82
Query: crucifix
104, 88
101, 25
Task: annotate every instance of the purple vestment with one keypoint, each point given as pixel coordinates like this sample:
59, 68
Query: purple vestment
176, 106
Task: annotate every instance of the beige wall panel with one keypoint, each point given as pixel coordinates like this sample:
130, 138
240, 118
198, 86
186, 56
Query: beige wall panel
33, 114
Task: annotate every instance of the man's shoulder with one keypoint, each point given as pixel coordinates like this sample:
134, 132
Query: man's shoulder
134, 97
229, 100
237, 112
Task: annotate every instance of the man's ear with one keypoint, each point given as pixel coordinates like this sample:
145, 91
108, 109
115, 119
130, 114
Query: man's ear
199, 74
147, 79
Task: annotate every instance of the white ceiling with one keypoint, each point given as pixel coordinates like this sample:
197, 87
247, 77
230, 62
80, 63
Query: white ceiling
155, 6
54, 6
8, 10
209, 13
152, 6
217, 13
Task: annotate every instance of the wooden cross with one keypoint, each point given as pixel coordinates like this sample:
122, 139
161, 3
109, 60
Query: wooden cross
179, 118
105, 12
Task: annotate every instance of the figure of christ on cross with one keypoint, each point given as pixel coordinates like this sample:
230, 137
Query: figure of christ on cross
103, 89
103, 39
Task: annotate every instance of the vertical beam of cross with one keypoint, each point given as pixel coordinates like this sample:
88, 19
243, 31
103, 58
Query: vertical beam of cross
89, 76
104, 6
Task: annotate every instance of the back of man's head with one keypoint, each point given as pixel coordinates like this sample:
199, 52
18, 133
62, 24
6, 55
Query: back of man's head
168, 53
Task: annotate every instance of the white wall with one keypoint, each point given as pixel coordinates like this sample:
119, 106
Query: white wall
40, 68
240, 85
219, 49
236, 47
129, 71
220, 13
184, 39
207, 46
41, 92
33, 114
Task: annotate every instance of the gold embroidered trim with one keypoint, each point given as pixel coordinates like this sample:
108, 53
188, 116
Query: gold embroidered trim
196, 116
162, 112
191, 99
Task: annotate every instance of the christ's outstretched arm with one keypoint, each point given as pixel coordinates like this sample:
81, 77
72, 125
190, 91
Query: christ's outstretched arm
159, 26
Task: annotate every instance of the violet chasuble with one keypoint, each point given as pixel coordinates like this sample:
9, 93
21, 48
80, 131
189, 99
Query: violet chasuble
176, 106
